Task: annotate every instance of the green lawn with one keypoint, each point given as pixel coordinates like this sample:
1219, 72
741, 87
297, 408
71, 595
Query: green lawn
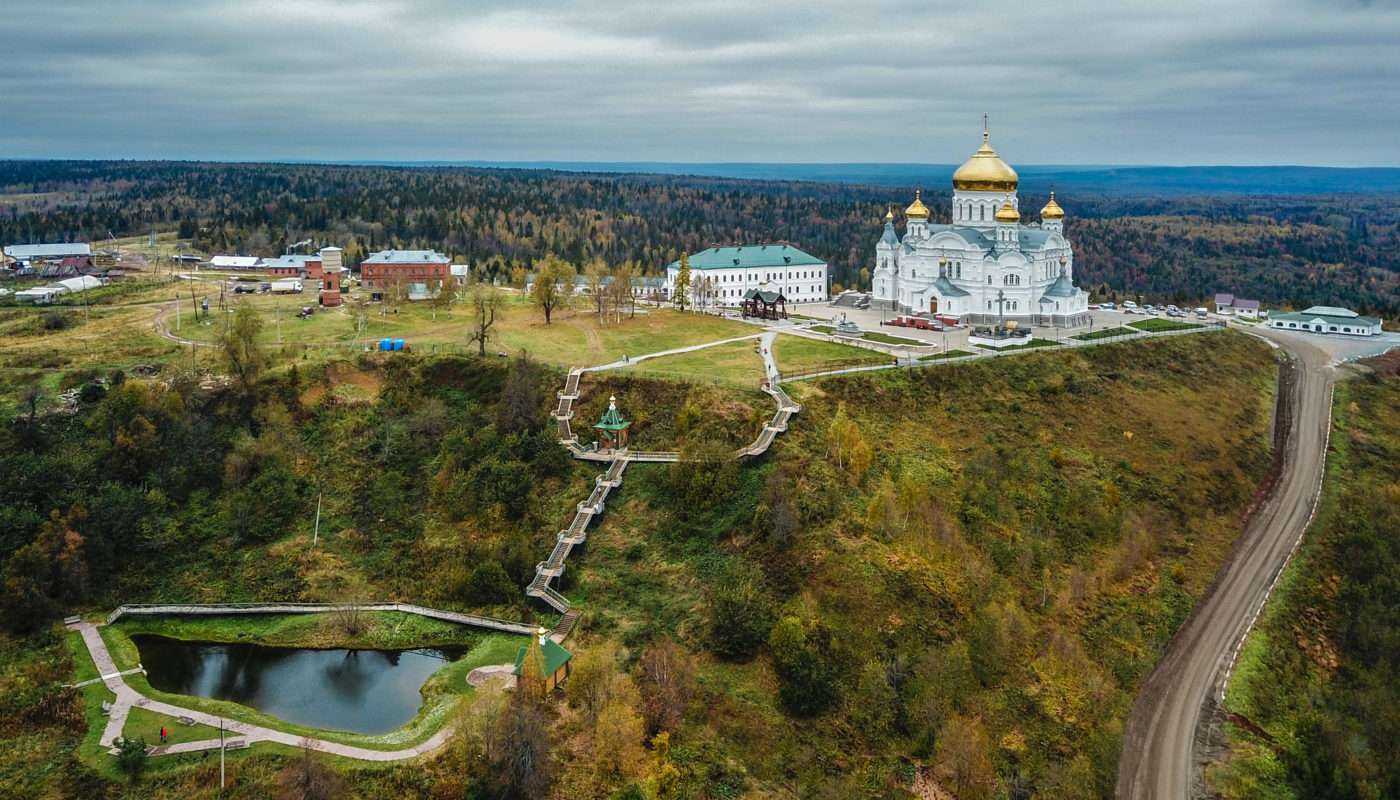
885, 338
144, 724
1106, 333
732, 362
799, 354
1157, 325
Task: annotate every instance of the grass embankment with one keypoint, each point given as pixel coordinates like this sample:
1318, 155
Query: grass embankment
949, 354
1313, 700
145, 725
442, 692
1021, 562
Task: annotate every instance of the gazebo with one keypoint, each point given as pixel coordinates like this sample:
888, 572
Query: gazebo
556, 661
612, 429
764, 304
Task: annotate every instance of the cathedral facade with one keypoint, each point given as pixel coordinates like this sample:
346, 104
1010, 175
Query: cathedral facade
986, 266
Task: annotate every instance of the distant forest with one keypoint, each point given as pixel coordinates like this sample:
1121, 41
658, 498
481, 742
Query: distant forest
1296, 250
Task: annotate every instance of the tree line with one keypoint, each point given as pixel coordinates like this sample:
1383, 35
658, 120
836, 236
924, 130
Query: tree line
1295, 250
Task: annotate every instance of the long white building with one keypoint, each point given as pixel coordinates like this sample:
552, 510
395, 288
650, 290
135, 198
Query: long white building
987, 265
721, 275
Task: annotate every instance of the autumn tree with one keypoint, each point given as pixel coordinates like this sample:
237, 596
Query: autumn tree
621, 291
618, 731
306, 777
666, 678
681, 290
485, 302
845, 442
519, 411
963, 758
445, 297
595, 280
519, 746
739, 615
554, 284
242, 352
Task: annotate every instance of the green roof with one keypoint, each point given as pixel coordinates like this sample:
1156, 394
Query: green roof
753, 256
765, 295
555, 656
612, 421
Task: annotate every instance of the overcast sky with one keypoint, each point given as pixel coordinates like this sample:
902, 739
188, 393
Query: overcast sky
1065, 82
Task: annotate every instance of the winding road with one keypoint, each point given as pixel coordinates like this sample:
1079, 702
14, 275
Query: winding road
1166, 740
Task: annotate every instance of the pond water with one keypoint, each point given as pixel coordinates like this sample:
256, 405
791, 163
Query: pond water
357, 691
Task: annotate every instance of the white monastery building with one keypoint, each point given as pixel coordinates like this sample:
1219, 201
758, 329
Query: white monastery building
721, 275
987, 265
1326, 319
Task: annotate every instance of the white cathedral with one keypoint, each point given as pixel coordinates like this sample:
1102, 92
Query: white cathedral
986, 266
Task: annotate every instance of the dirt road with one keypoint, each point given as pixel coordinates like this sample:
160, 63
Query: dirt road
1163, 749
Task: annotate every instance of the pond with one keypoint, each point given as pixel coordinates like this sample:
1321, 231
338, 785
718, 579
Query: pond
356, 691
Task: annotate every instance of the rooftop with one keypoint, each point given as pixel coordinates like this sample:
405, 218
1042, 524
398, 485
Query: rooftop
407, 257
555, 656
751, 256
25, 251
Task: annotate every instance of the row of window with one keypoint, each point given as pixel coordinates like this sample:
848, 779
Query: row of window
727, 277
1318, 328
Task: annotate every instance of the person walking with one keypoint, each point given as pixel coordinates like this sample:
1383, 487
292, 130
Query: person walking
162, 734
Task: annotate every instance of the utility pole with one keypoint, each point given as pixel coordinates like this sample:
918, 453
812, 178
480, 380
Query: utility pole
316, 534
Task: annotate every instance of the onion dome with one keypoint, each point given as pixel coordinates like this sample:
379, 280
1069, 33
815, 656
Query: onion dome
985, 172
889, 215
917, 210
1052, 209
1007, 213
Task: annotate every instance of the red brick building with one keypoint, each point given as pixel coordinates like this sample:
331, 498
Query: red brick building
388, 268
308, 267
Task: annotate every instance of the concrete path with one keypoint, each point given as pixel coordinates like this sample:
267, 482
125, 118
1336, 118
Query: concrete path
636, 359
770, 367
128, 698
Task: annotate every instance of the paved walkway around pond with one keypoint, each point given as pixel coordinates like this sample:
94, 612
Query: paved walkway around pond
128, 698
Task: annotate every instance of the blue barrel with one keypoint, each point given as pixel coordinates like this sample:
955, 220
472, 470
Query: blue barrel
398, 344
386, 344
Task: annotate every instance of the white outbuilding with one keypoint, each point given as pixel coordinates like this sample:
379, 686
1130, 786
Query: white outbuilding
1326, 319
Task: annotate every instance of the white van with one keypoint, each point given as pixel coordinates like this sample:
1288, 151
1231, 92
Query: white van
1129, 304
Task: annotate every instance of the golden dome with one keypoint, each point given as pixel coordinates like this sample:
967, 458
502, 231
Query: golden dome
1052, 209
917, 210
1007, 213
985, 172
889, 215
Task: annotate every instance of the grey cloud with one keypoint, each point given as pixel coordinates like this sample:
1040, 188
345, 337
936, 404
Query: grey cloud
1257, 81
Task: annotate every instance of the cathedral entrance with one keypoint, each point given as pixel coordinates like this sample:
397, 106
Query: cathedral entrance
933, 305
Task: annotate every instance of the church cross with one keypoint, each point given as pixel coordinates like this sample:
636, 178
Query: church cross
984, 123
1001, 303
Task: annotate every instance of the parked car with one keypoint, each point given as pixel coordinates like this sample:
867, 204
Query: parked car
1109, 306
1173, 307
1093, 306
244, 289
1127, 310
1130, 304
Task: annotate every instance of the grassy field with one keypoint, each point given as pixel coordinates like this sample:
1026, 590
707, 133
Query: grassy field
800, 354
146, 725
732, 362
